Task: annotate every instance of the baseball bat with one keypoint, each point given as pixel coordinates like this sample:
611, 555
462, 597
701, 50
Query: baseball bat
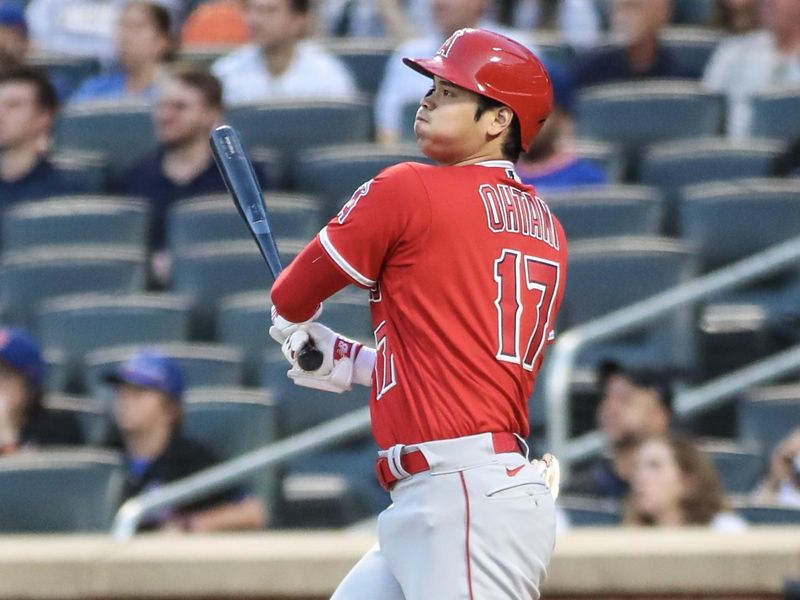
240, 179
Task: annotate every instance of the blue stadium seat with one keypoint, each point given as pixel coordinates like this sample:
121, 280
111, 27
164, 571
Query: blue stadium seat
299, 407
694, 12
335, 172
582, 511
591, 212
776, 114
768, 514
88, 485
636, 114
606, 274
673, 165
691, 46
86, 170
207, 272
29, 277
606, 156
93, 417
121, 131
740, 467
77, 325
66, 72
366, 59
76, 220
243, 321
215, 219
203, 365
766, 415
291, 126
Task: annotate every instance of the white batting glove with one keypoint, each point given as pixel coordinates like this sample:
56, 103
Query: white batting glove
550, 471
344, 361
282, 329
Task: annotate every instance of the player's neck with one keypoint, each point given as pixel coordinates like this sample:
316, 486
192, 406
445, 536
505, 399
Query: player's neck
478, 157
17, 162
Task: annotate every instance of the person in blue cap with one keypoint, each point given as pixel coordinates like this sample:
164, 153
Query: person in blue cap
24, 420
148, 411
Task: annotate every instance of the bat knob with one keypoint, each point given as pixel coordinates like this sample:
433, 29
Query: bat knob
309, 358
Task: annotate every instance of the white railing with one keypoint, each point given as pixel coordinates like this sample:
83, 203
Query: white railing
563, 355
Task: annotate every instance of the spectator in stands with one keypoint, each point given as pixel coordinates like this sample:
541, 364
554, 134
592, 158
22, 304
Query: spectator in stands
674, 484
28, 109
788, 163
145, 44
743, 66
370, 18
280, 64
577, 21
24, 421
736, 17
638, 52
147, 412
782, 484
187, 109
13, 36
216, 23
400, 85
551, 162
81, 27
634, 405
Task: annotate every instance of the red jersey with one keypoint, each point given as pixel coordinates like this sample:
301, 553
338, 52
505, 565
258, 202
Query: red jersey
467, 268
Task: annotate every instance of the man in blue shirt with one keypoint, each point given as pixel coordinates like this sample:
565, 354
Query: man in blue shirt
188, 107
28, 109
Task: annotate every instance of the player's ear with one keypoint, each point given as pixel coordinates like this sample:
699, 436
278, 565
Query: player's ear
503, 116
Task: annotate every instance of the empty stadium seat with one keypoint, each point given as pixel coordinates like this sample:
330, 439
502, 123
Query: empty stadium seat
66, 72
30, 276
215, 219
59, 491
243, 321
606, 274
300, 407
691, 47
766, 415
776, 114
55, 376
673, 165
640, 113
75, 220
77, 325
203, 365
583, 511
366, 59
729, 221
85, 170
768, 514
121, 131
290, 126
740, 467
591, 212
606, 156
207, 272
335, 172
694, 12
93, 417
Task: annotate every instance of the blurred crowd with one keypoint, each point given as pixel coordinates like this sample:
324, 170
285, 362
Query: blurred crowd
267, 50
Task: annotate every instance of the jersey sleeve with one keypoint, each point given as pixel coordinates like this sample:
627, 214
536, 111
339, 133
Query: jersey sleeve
381, 216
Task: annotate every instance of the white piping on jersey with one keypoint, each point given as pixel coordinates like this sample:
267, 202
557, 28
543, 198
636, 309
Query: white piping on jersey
503, 164
340, 260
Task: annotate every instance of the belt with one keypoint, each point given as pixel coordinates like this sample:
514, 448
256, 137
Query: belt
415, 462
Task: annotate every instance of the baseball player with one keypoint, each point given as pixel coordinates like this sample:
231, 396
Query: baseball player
466, 269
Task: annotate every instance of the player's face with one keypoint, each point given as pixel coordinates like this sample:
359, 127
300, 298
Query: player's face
273, 23
657, 484
445, 125
140, 41
21, 117
140, 410
182, 115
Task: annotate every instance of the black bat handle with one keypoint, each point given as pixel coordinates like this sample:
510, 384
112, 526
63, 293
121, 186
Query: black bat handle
309, 358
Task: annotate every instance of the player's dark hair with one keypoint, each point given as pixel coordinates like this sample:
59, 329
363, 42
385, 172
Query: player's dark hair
46, 95
202, 80
512, 145
161, 19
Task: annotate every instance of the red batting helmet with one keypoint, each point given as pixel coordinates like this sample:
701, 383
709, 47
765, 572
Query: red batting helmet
497, 67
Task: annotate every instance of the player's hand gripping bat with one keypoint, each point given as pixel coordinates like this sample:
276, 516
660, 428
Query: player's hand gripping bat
240, 179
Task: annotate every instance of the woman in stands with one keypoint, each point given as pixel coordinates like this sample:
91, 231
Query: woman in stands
782, 484
145, 43
674, 484
24, 422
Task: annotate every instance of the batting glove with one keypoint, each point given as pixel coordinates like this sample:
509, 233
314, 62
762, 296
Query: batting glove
281, 329
344, 361
550, 471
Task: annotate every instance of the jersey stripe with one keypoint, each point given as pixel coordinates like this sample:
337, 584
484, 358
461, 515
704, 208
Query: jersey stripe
342, 262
